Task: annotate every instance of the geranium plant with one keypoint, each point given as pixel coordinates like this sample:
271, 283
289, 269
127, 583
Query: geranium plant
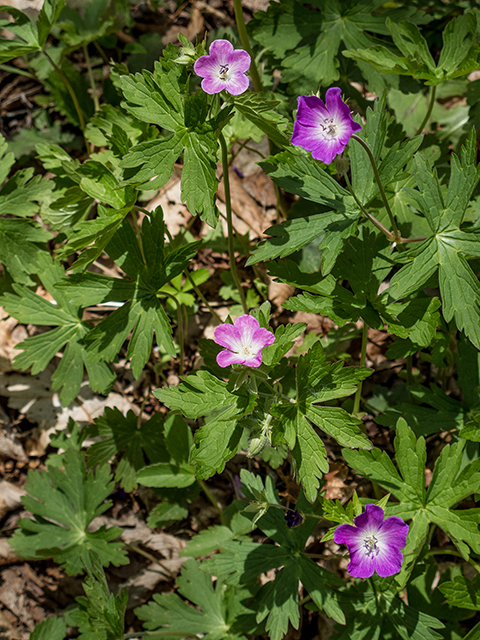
377, 238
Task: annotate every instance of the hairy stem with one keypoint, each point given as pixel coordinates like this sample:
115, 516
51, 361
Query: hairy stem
207, 492
363, 355
70, 90
380, 186
431, 102
91, 79
228, 205
243, 35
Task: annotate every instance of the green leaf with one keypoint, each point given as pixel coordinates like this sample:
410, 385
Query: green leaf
165, 513
22, 27
122, 434
21, 242
47, 18
100, 615
262, 114
165, 474
50, 629
63, 504
172, 616
39, 350
462, 592
318, 381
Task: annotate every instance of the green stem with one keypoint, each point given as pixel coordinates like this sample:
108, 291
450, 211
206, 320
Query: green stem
431, 103
92, 79
228, 205
148, 556
380, 185
451, 552
410, 380
363, 355
70, 90
181, 337
206, 491
368, 215
202, 297
243, 35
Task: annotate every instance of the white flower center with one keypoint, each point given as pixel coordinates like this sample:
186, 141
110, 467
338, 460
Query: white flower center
329, 127
247, 350
223, 73
371, 545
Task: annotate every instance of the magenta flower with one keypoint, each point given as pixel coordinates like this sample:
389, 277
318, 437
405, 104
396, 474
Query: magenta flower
323, 130
224, 68
243, 341
373, 544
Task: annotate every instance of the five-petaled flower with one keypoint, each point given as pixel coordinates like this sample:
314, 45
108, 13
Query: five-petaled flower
373, 543
223, 68
323, 130
243, 341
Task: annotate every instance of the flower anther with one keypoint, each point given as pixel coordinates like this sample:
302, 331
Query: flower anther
243, 341
223, 68
323, 129
373, 543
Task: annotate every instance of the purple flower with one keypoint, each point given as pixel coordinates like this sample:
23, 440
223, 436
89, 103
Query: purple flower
323, 130
293, 518
224, 68
243, 340
373, 544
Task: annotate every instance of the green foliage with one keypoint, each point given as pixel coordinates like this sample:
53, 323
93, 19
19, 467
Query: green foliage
463, 593
70, 331
317, 382
100, 615
50, 629
451, 483
63, 503
240, 562
215, 615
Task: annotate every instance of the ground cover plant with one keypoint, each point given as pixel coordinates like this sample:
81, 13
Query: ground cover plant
250, 426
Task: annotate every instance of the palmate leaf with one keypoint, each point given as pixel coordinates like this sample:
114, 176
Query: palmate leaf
28, 307
63, 504
305, 177
214, 615
307, 42
241, 562
318, 381
460, 54
160, 98
142, 311
450, 485
122, 434
447, 248
462, 592
203, 394
24, 29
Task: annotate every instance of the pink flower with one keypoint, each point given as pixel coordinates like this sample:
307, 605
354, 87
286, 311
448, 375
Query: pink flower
243, 341
373, 544
323, 130
224, 68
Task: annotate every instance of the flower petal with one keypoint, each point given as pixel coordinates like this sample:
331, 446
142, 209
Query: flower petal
262, 338
228, 336
239, 61
213, 85
246, 326
371, 519
389, 561
220, 50
226, 358
340, 111
311, 111
347, 534
327, 150
206, 66
394, 531
253, 361
361, 565
236, 84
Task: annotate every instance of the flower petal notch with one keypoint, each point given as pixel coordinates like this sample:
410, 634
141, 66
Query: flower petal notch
223, 68
243, 341
373, 543
323, 129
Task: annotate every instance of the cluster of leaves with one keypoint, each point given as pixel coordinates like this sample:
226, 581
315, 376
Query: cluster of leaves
424, 289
